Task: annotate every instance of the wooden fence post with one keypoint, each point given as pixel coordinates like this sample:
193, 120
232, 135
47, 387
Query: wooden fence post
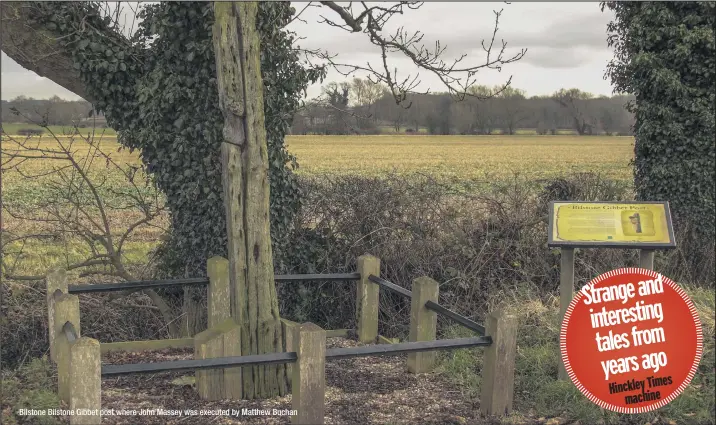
56, 279
289, 346
423, 323
498, 375
566, 293
308, 385
646, 259
367, 299
222, 340
218, 293
67, 309
85, 381
231, 337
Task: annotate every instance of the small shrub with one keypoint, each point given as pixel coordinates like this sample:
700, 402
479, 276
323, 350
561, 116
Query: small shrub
30, 131
474, 238
29, 387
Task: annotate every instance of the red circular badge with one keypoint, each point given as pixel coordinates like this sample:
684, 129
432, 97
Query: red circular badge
631, 340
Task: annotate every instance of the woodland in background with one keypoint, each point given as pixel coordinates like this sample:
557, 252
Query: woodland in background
359, 106
52, 111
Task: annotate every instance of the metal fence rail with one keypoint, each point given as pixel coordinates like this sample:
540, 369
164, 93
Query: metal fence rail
183, 365
392, 286
273, 358
139, 284
151, 284
464, 321
474, 326
407, 347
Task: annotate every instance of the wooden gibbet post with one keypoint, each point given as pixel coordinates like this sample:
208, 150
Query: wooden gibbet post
367, 296
646, 259
222, 340
498, 375
566, 293
245, 182
423, 323
56, 279
85, 381
308, 384
67, 309
219, 292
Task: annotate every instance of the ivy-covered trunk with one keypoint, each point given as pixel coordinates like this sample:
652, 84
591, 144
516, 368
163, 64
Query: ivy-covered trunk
244, 159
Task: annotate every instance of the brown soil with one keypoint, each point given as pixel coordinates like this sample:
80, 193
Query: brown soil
360, 391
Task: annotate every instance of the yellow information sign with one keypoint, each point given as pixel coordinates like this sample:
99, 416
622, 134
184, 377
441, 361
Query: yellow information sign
611, 224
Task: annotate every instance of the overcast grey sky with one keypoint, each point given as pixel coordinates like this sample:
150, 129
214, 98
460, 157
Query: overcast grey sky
566, 45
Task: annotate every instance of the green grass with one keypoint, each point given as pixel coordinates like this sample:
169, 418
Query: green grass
538, 390
29, 387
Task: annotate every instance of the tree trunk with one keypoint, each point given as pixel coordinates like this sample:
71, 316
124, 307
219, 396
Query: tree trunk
37, 49
244, 154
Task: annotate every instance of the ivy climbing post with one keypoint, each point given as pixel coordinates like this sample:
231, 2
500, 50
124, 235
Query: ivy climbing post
244, 160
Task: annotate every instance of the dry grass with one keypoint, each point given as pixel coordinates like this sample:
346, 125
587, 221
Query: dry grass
468, 157
464, 157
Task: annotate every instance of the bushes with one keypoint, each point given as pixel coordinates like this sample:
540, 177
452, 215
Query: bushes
29, 387
477, 239
474, 238
23, 317
30, 131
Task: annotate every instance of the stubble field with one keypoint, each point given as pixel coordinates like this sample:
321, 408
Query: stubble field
460, 157
464, 157
478, 159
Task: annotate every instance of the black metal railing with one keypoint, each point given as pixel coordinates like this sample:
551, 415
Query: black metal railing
152, 284
274, 358
462, 320
470, 324
392, 286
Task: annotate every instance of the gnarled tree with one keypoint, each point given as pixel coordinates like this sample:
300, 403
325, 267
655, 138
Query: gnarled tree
665, 55
159, 89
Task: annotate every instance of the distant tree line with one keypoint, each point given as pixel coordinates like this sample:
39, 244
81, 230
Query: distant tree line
53, 111
362, 107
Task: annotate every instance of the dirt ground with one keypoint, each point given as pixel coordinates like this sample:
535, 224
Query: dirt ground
360, 391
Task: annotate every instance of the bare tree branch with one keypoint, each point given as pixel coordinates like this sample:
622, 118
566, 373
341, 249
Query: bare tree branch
79, 206
457, 78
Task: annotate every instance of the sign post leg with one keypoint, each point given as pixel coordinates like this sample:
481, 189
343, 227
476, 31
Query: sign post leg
566, 293
646, 259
